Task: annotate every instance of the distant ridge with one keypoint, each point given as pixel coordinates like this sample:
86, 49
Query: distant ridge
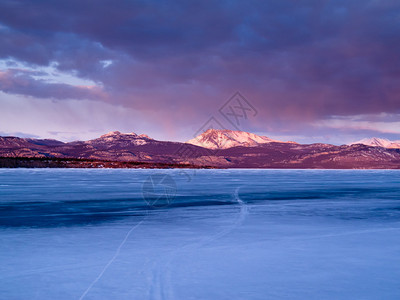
219, 149
378, 142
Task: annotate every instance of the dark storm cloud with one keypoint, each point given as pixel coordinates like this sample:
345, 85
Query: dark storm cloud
295, 60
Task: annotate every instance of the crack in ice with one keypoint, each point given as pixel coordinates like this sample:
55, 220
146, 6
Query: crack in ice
112, 259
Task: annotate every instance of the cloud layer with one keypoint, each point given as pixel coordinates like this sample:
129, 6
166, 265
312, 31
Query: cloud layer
299, 63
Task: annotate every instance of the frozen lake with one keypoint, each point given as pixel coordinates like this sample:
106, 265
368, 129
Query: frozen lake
205, 234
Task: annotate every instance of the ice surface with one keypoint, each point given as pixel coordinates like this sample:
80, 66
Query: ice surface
228, 234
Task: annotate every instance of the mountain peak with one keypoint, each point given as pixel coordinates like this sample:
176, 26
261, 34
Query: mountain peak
378, 142
122, 138
111, 133
225, 138
118, 133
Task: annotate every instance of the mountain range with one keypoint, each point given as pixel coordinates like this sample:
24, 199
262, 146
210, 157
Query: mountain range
212, 148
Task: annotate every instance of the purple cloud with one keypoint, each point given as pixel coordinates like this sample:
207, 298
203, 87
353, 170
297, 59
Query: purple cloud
21, 82
297, 62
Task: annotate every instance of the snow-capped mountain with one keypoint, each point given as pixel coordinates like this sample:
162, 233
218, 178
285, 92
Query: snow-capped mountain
378, 142
224, 139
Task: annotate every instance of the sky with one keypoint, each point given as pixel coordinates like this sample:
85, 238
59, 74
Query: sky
307, 71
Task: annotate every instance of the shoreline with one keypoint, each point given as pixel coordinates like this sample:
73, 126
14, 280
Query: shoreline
77, 163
